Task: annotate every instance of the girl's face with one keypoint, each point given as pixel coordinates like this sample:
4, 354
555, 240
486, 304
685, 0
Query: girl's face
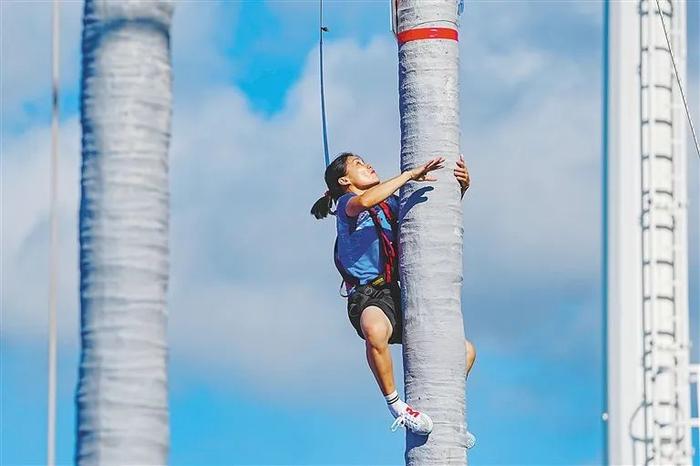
358, 173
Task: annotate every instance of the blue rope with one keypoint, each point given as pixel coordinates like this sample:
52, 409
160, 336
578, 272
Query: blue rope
323, 95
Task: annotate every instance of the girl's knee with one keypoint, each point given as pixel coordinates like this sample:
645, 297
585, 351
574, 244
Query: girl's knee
375, 327
376, 334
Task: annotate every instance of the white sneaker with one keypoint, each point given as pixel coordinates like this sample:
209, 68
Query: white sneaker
419, 423
471, 440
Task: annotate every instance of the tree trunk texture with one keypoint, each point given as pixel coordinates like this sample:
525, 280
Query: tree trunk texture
431, 235
122, 392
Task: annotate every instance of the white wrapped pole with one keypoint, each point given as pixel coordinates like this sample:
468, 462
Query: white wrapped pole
122, 396
431, 231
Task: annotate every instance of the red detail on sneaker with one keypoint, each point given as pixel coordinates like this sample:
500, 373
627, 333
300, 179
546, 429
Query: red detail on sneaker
412, 411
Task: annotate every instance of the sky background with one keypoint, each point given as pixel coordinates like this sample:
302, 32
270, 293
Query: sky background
264, 366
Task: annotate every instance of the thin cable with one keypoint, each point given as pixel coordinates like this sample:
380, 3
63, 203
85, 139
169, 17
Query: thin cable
323, 29
678, 79
53, 246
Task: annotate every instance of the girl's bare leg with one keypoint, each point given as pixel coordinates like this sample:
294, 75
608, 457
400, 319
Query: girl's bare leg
377, 331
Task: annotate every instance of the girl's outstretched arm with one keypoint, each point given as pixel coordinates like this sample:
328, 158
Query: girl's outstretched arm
380, 192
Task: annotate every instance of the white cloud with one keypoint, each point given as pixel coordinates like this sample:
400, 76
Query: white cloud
25, 233
200, 31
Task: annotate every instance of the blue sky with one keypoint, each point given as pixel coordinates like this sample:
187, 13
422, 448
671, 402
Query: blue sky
264, 367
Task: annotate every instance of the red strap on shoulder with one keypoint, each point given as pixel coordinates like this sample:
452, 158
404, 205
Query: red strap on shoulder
427, 33
384, 205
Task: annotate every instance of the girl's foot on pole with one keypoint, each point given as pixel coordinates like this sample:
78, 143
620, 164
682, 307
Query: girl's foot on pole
471, 440
417, 422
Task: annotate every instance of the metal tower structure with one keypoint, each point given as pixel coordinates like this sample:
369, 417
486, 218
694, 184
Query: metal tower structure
648, 373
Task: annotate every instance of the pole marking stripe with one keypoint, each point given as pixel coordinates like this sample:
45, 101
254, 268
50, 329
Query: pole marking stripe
427, 33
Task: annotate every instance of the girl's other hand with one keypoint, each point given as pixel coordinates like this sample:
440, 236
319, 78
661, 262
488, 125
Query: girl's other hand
462, 174
421, 173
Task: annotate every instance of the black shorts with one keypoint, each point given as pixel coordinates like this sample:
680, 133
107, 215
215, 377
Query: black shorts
385, 297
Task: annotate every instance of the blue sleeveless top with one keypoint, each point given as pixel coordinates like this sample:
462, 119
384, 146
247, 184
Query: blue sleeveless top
358, 242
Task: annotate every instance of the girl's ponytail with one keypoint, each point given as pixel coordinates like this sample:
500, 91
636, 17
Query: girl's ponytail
334, 171
322, 207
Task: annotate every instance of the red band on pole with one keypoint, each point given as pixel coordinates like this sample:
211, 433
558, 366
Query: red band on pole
427, 33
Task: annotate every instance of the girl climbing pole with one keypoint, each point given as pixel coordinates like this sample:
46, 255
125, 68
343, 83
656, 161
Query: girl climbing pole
366, 257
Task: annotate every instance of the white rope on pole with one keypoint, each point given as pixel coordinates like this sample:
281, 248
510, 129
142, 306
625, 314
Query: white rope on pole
53, 241
678, 78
